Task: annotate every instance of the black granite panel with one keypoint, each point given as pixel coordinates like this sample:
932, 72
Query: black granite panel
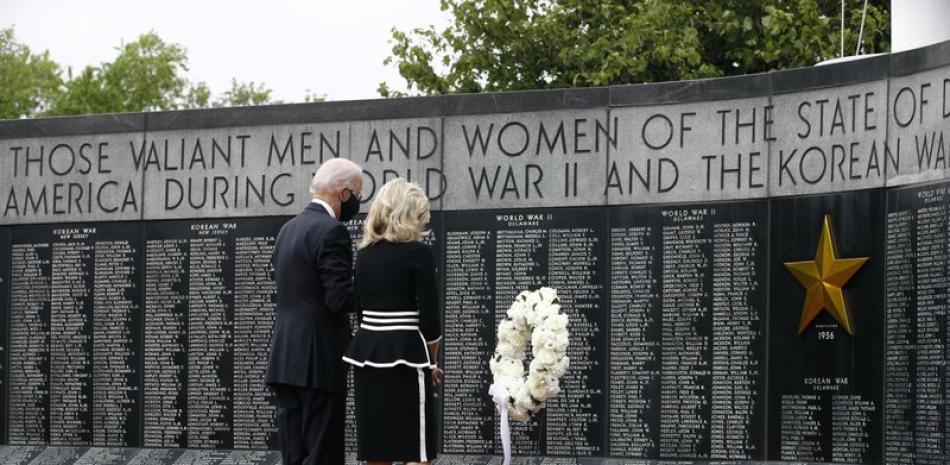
491, 256
4, 328
825, 385
209, 312
687, 331
29, 338
917, 383
81, 287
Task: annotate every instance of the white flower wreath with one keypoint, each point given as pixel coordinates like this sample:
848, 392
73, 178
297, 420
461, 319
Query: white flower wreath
534, 316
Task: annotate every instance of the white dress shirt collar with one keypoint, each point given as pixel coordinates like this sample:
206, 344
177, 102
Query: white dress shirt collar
325, 206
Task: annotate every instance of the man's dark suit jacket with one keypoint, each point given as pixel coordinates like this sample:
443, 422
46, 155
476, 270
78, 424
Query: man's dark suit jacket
313, 265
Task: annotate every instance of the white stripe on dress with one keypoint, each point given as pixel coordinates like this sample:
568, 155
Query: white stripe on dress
422, 417
389, 314
389, 328
384, 321
427, 348
369, 363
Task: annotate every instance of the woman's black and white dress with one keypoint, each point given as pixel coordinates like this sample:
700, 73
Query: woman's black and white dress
397, 294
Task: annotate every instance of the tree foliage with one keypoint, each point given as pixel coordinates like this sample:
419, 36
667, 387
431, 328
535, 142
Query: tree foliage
146, 75
244, 94
497, 45
28, 81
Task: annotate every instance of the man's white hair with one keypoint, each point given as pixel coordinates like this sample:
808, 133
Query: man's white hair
333, 174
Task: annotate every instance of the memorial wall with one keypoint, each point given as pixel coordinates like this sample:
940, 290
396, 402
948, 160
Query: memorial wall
755, 268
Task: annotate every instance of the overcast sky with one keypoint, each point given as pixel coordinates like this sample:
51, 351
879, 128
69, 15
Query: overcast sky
331, 47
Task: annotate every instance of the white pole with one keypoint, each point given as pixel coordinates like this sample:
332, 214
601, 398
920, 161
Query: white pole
864, 16
918, 23
842, 29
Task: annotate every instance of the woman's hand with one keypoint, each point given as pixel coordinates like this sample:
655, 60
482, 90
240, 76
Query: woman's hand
436, 376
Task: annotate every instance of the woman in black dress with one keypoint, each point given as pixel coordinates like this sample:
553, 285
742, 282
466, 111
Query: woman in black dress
395, 350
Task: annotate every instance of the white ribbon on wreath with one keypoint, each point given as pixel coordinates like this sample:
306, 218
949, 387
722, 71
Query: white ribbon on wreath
534, 316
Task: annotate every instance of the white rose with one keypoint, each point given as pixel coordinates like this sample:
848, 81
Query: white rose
556, 322
519, 414
527, 403
532, 299
512, 368
516, 388
547, 294
532, 319
550, 344
505, 335
508, 350
520, 338
516, 312
538, 388
505, 327
537, 366
548, 340
560, 368
547, 357
545, 310
540, 336
516, 338
501, 367
497, 368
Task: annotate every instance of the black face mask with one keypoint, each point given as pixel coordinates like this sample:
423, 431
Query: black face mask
350, 207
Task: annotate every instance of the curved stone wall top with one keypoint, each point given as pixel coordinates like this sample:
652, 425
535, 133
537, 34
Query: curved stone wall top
872, 123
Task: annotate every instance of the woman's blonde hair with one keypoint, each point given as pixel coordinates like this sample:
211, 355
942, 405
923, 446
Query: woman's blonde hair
399, 213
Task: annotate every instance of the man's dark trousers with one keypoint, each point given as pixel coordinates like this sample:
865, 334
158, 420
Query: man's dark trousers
311, 424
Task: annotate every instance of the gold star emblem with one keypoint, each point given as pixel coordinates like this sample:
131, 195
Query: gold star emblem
823, 278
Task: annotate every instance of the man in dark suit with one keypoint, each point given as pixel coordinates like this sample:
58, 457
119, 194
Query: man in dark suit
313, 265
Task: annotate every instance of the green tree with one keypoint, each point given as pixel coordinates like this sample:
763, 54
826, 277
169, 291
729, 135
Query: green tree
497, 45
243, 94
147, 75
310, 97
197, 96
28, 81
